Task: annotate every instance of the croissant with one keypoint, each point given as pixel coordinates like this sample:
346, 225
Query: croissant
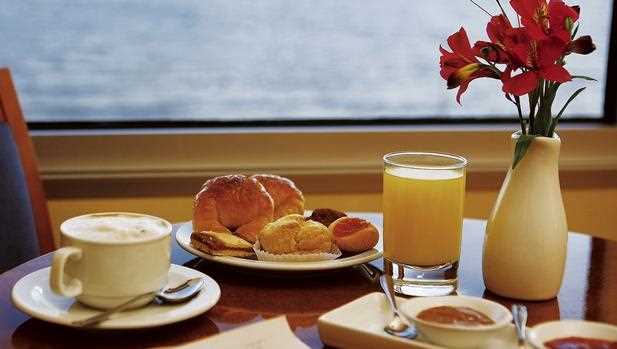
286, 197
233, 204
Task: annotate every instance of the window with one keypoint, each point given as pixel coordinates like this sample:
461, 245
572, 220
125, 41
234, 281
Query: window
209, 61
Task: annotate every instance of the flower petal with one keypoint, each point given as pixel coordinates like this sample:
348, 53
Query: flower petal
555, 73
535, 30
518, 45
462, 74
520, 84
483, 71
550, 50
459, 43
534, 16
559, 11
525, 8
445, 63
461, 90
497, 28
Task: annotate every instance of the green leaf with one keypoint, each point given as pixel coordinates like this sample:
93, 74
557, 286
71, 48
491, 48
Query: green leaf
522, 144
553, 126
563, 109
588, 78
576, 93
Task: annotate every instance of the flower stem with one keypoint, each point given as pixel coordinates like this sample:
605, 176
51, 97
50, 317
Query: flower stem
503, 11
533, 104
481, 8
520, 114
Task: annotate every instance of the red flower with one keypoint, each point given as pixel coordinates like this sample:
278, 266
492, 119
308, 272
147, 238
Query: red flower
543, 19
536, 48
539, 60
498, 30
460, 66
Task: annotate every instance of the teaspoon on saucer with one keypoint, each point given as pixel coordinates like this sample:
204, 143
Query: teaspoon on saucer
177, 294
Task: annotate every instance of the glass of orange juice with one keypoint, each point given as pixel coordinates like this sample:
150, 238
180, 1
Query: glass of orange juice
423, 196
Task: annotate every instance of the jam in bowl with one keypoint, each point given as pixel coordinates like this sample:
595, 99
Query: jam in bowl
457, 321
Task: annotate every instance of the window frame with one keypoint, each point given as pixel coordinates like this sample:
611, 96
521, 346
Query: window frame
609, 116
610, 93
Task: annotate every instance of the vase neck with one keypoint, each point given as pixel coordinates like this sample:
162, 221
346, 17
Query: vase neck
541, 149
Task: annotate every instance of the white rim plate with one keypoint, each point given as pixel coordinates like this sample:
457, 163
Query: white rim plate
183, 236
32, 295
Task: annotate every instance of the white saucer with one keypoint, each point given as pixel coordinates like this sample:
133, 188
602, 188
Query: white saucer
32, 295
359, 325
183, 236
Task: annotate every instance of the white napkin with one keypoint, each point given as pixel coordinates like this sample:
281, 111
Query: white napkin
266, 334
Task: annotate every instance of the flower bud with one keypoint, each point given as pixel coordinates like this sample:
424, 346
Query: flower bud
583, 45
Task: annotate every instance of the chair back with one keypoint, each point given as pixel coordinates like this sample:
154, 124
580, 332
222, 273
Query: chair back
25, 227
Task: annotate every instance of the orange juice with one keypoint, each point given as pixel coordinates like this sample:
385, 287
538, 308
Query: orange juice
423, 215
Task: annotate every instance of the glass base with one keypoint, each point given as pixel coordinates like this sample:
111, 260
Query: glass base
426, 281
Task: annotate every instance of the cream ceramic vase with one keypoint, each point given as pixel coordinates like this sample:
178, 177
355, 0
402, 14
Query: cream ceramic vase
527, 234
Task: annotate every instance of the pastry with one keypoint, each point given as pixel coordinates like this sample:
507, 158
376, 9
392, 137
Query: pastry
325, 216
234, 203
354, 234
221, 244
287, 198
292, 234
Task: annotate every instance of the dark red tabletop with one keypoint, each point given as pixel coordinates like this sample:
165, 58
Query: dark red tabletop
589, 292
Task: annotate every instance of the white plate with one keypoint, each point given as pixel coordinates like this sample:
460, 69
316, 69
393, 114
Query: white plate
183, 236
32, 295
359, 324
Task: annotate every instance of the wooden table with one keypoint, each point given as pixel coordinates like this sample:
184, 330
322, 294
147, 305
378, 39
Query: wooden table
589, 292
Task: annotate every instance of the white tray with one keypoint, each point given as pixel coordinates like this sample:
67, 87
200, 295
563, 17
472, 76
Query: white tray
360, 324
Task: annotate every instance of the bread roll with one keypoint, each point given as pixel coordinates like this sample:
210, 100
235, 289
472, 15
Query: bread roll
286, 197
233, 203
292, 234
354, 234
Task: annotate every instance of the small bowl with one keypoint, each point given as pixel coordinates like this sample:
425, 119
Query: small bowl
547, 331
457, 336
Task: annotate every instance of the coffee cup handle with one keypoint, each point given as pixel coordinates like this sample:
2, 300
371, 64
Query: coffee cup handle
56, 280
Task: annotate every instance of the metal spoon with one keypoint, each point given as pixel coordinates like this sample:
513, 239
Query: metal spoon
396, 327
177, 294
519, 314
369, 272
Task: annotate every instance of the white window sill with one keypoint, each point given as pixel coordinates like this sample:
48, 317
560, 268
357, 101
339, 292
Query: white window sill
181, 153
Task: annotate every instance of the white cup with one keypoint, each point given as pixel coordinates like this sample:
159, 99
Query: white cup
111, 257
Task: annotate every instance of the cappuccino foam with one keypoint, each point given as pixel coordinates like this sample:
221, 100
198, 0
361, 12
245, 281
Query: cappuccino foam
116, 228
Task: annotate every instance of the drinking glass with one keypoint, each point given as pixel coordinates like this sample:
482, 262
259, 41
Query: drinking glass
423, 196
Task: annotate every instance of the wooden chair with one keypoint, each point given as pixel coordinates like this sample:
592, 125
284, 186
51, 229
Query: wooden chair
13, 127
